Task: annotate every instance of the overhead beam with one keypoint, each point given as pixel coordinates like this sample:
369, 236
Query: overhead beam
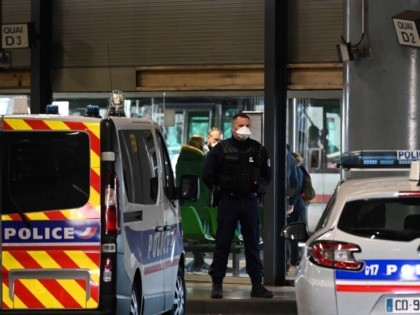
15, 79
325, 76
183, 78
308, 76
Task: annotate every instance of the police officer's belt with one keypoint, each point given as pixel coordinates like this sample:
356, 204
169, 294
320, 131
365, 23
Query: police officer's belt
237, 195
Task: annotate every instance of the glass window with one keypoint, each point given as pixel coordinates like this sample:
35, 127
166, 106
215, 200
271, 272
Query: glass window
390, 219
195, 112
314, 129
139, 164
318, 133
44, 170
168, 181
199, 123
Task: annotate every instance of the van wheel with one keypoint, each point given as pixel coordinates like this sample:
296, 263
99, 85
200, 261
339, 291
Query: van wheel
135, 304
178, 308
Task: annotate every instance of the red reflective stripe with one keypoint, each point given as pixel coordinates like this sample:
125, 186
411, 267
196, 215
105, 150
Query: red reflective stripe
95, 181
377, 288
6, 126
5, 276
320, 198
60, 293
25, 259
26, 296
157, 267
15, 217
95, 143
89, 212
48, 247
94, 256
55, 215
37, 124
410, 193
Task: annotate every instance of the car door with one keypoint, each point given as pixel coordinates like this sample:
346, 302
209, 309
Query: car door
172, 237
50, 213
142, 209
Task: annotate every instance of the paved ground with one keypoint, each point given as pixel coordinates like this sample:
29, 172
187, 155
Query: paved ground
236, 298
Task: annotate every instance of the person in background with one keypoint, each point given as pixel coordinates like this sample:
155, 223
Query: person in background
239, 168
298, 214
190, 161
213, 137
292, 181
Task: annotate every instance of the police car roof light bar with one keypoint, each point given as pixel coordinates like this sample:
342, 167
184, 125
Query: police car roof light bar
400, 159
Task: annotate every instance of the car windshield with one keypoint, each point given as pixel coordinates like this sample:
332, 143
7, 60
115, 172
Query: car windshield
389, 219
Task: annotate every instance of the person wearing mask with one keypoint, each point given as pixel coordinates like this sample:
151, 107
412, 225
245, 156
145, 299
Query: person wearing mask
190, 161
298, 214
213, 137
239, 168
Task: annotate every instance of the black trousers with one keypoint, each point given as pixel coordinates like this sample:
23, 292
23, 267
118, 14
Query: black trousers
232, 210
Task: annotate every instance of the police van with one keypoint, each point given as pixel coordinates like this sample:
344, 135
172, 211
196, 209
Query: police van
363, 257
90, 222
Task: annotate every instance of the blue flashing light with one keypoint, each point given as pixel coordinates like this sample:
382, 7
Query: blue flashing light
52, 109
379, 159
92, 111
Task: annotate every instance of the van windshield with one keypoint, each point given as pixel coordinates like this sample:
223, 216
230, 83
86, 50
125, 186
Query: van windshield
395, 219
44, 170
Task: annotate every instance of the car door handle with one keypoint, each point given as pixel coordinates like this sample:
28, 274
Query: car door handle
159, 229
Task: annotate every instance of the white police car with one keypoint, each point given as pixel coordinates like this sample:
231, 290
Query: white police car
364, 255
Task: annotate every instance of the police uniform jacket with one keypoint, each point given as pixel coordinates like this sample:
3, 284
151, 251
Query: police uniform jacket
216, 161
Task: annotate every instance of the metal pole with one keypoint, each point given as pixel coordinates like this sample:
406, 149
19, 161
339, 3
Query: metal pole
41, 90
275, 119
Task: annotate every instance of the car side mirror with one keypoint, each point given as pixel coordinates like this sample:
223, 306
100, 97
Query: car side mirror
295, 232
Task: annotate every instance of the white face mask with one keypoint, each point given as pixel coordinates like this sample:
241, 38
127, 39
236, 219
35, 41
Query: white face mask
243, 132
213, 143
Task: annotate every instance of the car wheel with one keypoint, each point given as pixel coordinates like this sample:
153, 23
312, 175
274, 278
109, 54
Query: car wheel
178, 307
135, 304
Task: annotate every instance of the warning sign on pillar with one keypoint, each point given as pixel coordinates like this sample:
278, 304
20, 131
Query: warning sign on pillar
15, 36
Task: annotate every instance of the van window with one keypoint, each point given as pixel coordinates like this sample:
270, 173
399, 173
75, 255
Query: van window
139, 161
44, 170
169, 179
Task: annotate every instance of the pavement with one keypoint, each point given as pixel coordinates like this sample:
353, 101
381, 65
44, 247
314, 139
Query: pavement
236, 299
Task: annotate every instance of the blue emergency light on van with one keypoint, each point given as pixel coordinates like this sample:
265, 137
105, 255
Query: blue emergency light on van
379, 159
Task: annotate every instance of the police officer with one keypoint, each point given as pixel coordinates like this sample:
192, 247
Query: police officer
238, 169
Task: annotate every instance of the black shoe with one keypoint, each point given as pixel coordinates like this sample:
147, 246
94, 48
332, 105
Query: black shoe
217, 290
259, 291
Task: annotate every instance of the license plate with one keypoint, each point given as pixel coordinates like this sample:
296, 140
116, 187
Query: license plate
403, 305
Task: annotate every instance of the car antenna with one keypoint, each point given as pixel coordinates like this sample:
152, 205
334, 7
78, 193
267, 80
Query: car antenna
109, 67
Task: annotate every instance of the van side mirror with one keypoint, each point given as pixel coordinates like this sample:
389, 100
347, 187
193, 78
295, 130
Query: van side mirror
295, 232
189, 188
